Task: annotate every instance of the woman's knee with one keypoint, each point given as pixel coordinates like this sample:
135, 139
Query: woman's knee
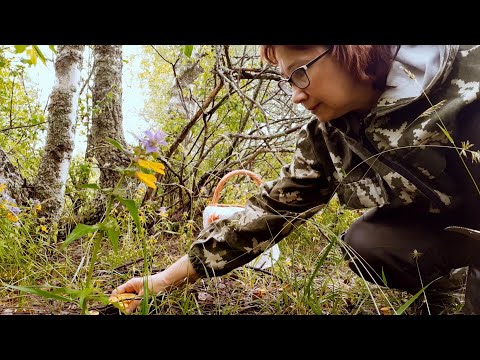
359, 239
363, 248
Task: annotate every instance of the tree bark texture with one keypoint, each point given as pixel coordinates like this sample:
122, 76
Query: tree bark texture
107, 118
107, 122
181, 100
62, 112
11, 177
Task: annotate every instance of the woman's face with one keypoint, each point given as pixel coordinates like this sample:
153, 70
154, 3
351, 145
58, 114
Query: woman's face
333, 91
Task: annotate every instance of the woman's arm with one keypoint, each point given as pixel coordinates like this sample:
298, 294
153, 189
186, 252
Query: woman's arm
300, 192
302, 189
176, 274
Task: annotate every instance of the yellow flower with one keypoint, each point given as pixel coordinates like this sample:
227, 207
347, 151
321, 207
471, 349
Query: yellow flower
43, 228
12, 217
151, 165
288, 261
147, 179
190, 225
2, 187
38, 206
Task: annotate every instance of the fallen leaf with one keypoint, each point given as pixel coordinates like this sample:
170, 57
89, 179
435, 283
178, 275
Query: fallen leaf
386, 310
259, 293
204, 296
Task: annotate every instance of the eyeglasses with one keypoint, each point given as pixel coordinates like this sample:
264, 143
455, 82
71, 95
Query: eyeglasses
299, 76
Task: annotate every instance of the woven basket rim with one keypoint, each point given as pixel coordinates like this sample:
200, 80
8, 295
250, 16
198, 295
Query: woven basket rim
216, 195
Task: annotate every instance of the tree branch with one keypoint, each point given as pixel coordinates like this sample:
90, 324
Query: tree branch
21, 126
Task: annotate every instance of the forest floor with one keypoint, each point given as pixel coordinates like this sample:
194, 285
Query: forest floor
287, 288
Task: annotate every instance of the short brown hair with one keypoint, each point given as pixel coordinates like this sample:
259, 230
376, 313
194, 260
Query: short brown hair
365, 62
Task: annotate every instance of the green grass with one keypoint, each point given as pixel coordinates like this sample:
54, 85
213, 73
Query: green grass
309, 278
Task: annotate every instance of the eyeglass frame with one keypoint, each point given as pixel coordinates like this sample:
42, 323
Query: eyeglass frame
304, 68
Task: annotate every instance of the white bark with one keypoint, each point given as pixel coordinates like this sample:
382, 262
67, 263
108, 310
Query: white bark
62, 111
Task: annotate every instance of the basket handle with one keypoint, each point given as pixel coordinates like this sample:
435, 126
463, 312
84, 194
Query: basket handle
223, 180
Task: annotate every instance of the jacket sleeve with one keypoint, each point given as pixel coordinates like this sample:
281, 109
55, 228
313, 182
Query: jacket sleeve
301, 191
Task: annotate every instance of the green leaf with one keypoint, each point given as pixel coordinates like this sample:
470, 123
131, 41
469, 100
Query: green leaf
115, 143
89, 186
112, 230
104, 299
52, 47
113, 235
187, 50
446, 133
33, 56
79, 231
128, 171
75, 293
402, 308
317, 267
40, 54
83, 295
20, 48
39, 292
384, 279
132, 208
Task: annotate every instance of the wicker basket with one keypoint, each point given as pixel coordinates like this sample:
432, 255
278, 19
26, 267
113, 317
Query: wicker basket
216, 211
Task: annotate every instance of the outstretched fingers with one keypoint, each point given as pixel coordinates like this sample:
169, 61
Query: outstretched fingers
128, 287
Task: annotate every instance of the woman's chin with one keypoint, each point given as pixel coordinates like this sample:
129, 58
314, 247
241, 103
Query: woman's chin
328, 114
323, 117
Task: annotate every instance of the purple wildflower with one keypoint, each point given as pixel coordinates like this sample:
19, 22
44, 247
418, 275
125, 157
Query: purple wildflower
163, 211
152, 141
8, 198
14, 210
10, 204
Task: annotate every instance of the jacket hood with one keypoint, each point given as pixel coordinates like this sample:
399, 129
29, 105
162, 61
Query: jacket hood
415, 70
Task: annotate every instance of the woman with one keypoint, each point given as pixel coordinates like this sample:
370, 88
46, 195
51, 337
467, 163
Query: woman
388, 131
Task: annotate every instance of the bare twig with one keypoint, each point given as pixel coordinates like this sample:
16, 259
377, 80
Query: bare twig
11, 101
277, 135
21, 126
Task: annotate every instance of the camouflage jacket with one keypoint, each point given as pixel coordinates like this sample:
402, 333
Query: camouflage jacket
397, 155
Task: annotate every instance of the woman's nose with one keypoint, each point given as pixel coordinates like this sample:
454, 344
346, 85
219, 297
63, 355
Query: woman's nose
298, 95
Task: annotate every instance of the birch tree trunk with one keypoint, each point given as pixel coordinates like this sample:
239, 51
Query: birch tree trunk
11, 177
107, 121
62, 111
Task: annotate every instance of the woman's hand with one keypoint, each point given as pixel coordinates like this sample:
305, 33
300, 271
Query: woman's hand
178, 273
134, 286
